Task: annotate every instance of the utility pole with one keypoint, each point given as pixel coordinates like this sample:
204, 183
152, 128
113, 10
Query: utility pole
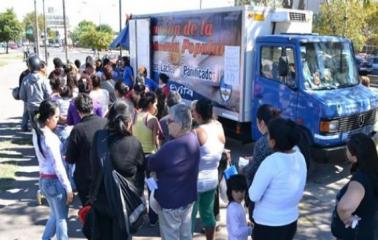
36, 36
65, 30
120, 25
45, 30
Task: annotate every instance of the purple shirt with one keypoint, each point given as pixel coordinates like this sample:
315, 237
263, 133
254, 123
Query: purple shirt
73, 116
176, 166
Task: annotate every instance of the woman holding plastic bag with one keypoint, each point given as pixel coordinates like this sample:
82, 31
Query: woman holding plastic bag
116, 197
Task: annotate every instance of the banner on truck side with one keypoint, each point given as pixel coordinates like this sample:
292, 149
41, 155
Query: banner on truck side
201, 55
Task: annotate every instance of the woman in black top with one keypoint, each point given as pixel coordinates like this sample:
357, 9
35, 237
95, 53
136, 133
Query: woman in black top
357, 199
127, 158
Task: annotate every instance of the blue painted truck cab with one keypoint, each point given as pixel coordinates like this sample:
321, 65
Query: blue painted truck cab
320, 90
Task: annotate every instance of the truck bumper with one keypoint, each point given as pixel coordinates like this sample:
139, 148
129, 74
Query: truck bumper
329, 154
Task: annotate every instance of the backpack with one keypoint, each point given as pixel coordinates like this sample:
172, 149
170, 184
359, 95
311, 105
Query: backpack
120, 191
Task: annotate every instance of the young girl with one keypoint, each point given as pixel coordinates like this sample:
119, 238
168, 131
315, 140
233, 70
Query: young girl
53, 181
237, 226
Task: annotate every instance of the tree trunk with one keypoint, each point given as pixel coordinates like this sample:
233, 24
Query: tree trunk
301, 5
6, 50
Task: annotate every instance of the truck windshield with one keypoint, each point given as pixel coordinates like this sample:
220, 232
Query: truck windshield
328, 65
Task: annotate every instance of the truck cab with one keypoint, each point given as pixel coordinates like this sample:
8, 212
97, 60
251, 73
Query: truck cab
314, 81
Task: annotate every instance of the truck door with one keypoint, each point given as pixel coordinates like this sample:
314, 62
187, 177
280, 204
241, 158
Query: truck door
140, 44
272, 88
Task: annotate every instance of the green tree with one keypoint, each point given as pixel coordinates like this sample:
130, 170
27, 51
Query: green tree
343, 18
10, 27
95, 39
83, 27
29, 23
371, 28
104, 28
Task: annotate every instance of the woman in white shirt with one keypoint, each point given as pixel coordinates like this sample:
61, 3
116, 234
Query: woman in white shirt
53, 181
278, 184
211, 138
99, 95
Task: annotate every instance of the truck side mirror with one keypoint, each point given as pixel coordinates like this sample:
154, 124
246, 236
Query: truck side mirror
283, 66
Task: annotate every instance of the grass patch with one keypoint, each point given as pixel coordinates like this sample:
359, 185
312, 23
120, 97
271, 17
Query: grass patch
8, 171
6, 58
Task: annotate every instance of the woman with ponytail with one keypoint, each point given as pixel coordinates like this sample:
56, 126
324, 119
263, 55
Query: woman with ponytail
278, 184
54, 182
127, 158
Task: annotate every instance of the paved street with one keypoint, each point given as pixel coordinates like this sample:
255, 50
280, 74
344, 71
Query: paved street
21, 217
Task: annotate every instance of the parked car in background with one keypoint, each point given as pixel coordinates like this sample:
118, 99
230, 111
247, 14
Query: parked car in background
13, 45
364, 65
374, 61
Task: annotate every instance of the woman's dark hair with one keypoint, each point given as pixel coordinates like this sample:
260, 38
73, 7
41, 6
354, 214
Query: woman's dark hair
164, 77
285, 133
119, 116
363, 147
83, 85
108, 72
204, 108
84, 103
147, 99
139, 87
46, 109
55, 83
72, 80
162, 108
96, 82
65, 92
58, 63
77, 63
98, 65
121, 88
237, 183
126, 60
105, 61
266, 113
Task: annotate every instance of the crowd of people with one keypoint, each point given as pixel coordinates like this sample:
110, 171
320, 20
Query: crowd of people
103, 131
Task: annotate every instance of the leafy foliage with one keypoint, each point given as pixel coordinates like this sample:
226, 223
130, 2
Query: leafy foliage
104, 28
10, 27
29, 23
350, 19
86, 34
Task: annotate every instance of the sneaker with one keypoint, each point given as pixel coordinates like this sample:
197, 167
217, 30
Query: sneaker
39, 197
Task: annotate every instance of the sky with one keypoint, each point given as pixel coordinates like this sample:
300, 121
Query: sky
107, 11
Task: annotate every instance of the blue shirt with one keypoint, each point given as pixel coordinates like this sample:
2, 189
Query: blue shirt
176, 166
128, 76
151, 84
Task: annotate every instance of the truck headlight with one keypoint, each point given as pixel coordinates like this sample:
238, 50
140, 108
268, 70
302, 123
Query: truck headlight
329, 126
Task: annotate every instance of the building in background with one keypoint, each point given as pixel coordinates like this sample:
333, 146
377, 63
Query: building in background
55, 22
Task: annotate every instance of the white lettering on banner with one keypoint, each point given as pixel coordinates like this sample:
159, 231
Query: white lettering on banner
196, 72
232, 65
182, 90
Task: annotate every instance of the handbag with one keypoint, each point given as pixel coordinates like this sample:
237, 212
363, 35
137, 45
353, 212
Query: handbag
124, 201
16, 93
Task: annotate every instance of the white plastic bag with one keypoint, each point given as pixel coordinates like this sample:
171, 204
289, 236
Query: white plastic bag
223, 190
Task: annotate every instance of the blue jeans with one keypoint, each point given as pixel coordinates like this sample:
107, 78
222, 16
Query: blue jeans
25, 119
56, 196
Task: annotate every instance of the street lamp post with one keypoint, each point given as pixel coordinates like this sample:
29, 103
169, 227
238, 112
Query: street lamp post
120, 24
36, 38
45, 30
65, 30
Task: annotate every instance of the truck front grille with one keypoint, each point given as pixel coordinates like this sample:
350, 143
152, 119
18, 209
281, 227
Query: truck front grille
356, 121
297, 17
